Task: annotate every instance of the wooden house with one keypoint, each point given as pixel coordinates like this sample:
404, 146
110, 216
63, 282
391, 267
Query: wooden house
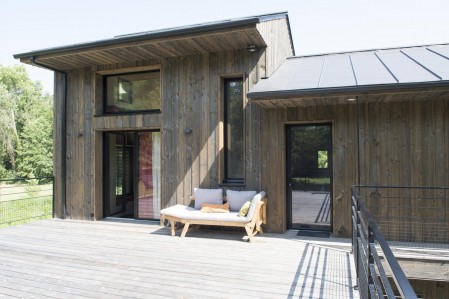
387, 112
142, 119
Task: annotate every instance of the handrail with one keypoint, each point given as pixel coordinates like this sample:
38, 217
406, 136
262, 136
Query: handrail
25, 179
404, 286
400, 187
366, 225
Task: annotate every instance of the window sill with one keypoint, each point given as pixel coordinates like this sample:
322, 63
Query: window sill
129, 113
231, 185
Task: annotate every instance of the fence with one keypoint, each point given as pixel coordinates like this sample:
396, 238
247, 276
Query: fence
410, 216
25, 200
395, 217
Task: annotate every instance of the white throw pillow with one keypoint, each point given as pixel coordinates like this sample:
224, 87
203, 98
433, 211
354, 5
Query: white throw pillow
214, 196
252, 208
236, 199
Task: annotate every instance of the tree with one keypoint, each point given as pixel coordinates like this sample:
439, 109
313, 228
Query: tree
8, 131
34, 153
25, 125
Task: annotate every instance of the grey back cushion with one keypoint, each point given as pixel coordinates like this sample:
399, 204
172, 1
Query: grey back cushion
236, 199
252, 208
214, 196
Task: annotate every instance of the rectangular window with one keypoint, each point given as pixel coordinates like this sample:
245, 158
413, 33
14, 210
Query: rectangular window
132, 92
233, 131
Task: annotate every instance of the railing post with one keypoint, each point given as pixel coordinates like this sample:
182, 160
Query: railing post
370, 260
358, 236
53, 197
355, 234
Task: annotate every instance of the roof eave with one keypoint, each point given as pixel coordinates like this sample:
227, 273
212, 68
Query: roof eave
331, 91
142, 37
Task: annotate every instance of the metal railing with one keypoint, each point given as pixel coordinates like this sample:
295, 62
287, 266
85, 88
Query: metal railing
367, 244
26, 199
410, 216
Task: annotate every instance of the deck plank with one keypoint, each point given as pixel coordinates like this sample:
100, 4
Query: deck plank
69, 258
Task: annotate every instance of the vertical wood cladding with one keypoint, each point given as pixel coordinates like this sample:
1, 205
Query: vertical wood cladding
192, 99
404, 141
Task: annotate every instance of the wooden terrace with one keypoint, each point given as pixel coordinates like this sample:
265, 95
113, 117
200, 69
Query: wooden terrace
138, 259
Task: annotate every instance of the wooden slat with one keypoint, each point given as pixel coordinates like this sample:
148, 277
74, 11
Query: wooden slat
82, 267
58, 136
205, 121
214, 108
197, 111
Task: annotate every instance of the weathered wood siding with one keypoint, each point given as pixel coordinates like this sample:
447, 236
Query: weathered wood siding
279, 44
58, 137
404, 141
192, 98
80, 137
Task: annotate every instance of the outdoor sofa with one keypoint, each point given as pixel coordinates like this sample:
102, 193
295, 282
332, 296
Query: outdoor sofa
237, 201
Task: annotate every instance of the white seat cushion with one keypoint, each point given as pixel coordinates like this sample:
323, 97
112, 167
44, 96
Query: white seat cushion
177, 211
236, 199
188, 213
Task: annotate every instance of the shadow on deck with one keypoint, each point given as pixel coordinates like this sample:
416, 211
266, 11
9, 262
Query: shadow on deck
68, 258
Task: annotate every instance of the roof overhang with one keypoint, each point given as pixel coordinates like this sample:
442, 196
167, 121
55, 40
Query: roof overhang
174, 42
346, 90
383, 71
340, 95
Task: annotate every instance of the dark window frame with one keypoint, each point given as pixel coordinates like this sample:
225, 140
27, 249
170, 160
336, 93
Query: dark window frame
105, 93
227, 179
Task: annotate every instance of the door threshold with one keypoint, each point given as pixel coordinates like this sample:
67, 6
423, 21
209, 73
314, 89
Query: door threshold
129, 220
326, 228
314, 233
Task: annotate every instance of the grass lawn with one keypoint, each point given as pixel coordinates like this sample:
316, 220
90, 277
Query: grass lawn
22, 203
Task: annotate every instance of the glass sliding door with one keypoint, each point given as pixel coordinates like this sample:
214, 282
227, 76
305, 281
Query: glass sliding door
119, 170
132, 177
148, 176
309, 176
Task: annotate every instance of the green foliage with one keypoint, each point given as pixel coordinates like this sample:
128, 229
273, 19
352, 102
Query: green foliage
16, 212
25, 125
34, 154
311, 184
307, 144
323, 160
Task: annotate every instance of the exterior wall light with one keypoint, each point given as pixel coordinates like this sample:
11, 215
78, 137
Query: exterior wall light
251, 48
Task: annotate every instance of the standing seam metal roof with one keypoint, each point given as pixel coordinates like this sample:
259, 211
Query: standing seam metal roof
360, 70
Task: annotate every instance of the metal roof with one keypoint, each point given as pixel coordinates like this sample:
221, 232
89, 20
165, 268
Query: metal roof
361, 71
163, 33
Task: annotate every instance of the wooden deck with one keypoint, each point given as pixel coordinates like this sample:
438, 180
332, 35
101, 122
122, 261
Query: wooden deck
106, 259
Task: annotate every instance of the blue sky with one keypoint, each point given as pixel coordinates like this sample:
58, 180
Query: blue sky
318, 26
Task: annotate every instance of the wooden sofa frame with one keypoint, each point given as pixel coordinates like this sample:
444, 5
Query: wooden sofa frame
252, 227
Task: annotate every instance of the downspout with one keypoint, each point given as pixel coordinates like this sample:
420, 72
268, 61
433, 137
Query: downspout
63, 133
358, 139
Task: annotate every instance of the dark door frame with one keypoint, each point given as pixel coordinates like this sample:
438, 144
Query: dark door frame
135, 171
288, 174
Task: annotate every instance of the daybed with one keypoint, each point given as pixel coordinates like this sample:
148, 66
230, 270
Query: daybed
238, 202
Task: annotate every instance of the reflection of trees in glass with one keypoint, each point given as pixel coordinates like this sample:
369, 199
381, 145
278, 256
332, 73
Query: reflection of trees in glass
146, 94
129, 92
322, 159
234, 129
306, 143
